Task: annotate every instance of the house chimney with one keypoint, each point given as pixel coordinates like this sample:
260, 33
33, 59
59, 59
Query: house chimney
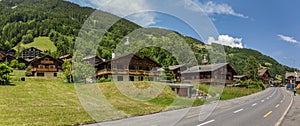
113, 55
127, 41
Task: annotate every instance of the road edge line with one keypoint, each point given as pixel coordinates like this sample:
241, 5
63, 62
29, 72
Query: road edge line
286, 111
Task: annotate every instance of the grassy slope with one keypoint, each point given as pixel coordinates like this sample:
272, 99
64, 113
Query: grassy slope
42, 43
42, 101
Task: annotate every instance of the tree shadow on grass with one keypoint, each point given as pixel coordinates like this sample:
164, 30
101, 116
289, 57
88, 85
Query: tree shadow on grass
9, 84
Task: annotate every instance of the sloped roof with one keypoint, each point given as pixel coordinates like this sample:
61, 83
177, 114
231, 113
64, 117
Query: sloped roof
37, 59
129, 56
205, 68
262, 72
176, 67
289, 74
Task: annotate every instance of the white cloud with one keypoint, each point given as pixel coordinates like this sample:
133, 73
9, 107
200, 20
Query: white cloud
213, 8
125, 8
227, 40
288, 39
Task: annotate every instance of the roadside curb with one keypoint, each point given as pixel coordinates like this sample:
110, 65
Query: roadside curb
286, 111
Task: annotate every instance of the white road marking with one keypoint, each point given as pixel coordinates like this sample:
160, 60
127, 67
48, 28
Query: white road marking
238, 110
262, 100
202, 124
267, 98
254, 104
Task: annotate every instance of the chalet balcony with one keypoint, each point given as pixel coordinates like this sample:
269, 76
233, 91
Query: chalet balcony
44, 69
130, 72
206, 81
47, 62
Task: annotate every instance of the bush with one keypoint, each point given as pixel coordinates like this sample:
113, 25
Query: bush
22, 66
28, 73
103, 79
14, 63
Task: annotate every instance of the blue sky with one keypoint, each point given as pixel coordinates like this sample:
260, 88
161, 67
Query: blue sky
271, 27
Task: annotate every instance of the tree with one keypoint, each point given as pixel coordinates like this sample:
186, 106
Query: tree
252, 67
67, 69
14, 63
4, 73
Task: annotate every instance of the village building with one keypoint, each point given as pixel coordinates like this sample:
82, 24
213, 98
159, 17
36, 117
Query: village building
31, 53
45, 66
66, 57
8, 58
183, 90
177, 69
292, 77
240, 78
264, 75
128, 68
21, 60
206, 74
11, 52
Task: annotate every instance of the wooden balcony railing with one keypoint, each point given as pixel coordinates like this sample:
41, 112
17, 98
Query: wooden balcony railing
131, 72
44, 69
47, 62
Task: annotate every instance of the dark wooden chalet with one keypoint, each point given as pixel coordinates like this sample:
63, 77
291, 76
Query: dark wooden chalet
292, 77
94, 60
129, 68
45, 66
8, 58
176, 70
31, 53
21, 60
240, 77
264, 76
219, 73
11, 52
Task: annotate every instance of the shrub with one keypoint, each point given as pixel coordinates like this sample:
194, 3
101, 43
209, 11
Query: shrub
28, 73
103, 79
22, 66
14, 63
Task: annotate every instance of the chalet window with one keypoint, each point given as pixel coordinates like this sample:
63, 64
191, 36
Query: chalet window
131, 78
131, 67
120, 67
55, 74
51, 66
109, 67
40, 74
120, 78
46, 59
41, 66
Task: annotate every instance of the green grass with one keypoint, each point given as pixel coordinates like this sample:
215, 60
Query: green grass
40, 101
227, 92
234, 92
42, 43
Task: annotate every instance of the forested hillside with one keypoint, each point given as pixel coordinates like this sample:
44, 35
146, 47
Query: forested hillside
23, 20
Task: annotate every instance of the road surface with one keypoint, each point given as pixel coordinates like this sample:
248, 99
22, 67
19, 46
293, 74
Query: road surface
261, 109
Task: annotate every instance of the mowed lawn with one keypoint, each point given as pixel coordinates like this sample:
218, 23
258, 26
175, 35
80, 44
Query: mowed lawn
42, 43
40, 101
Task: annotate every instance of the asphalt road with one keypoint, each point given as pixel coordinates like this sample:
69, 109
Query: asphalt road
261, 109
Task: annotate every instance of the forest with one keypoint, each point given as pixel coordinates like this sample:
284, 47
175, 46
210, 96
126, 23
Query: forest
62, 21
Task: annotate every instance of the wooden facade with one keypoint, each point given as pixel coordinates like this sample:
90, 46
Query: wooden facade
292, 77
45, 66
31, 53
264, 75
128, 68
206, 74
240, 77
177, 69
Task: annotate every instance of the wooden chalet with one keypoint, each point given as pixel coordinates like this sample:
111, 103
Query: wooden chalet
264, 75
177, 71
240, 77
11, 52
218, 73
8, 58
31, 53
45, 66
94, 60
21, 60
292, 77
128, 68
